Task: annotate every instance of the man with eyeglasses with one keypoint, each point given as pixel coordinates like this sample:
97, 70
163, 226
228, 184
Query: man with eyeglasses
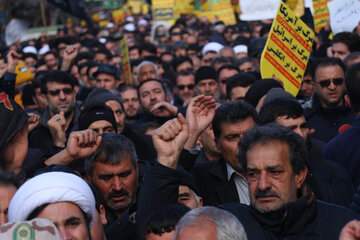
328, 114
61, 116
185, 88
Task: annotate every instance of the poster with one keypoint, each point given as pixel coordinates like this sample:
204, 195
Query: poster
298, 6
287, 49
163, 10
321, 14
344, 15
125, 60
252, 10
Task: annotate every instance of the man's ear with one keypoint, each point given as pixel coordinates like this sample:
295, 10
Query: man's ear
300, 177
347, 100
103, 215
217, 144
198, 142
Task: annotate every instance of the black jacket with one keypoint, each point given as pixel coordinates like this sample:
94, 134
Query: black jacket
327, 121
41, 137
212, 181
329, 181
306, 218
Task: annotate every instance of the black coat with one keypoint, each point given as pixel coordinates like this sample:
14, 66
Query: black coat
316, 220
327, 121
212, 181
329, 181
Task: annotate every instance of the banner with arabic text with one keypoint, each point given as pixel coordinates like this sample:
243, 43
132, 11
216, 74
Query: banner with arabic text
287, 49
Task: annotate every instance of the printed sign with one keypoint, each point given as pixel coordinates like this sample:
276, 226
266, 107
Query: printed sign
321, 14
298, 6
252, 10
125, 60
344, 15
287, 49
163, 10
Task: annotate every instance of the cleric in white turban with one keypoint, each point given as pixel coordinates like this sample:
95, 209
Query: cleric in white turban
60, 197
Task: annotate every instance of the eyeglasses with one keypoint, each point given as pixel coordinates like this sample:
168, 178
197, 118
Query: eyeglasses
182, 87
66, 91
327, 82
176, 33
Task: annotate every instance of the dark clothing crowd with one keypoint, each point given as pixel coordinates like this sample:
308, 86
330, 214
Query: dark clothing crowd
188, 142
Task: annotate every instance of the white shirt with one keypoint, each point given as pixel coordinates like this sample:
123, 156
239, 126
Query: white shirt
241, 184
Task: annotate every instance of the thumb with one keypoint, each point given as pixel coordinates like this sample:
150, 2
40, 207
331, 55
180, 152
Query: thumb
62, 114
184, 122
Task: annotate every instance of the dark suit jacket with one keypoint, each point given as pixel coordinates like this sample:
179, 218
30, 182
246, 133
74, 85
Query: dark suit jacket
213, 185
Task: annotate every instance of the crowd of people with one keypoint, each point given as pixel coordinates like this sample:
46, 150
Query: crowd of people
199, 146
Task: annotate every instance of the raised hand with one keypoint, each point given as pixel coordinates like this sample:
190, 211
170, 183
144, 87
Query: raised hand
34, 120
169, 140
57, 125
81, 144
199, 115
351, 231
164, 109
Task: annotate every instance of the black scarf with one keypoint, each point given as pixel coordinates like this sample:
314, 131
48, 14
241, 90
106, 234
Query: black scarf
292, 219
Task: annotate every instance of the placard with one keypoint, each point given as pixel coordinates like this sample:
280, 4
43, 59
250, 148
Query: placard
344, 15
287, 49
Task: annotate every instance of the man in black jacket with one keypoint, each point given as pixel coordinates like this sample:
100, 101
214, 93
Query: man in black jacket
329, 181
61, 116
223, 181
274, 160
326, 110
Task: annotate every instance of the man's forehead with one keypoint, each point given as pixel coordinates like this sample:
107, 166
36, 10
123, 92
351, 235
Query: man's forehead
241, 126
150, 85
57, 84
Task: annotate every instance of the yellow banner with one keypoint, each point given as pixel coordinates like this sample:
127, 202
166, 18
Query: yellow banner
163, 10
118, 15
287, 49
125, 60
298, 6
222, 10
321, 14
95, 17
185, 6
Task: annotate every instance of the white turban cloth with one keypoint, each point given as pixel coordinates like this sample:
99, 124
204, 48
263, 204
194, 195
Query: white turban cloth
51, 187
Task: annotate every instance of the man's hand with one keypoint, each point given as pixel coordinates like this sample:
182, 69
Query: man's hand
199, 114
57, 129
169, 140
69, 55
80, 144
164, 109
12, 59
34, 120
351, 231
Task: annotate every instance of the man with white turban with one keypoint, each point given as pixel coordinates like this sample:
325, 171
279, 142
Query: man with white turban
63, 198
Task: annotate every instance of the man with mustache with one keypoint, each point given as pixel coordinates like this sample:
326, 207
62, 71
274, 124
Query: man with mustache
113, 170
275, 161
60, 117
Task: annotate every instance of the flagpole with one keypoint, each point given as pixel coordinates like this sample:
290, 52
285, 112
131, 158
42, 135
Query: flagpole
43, 16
